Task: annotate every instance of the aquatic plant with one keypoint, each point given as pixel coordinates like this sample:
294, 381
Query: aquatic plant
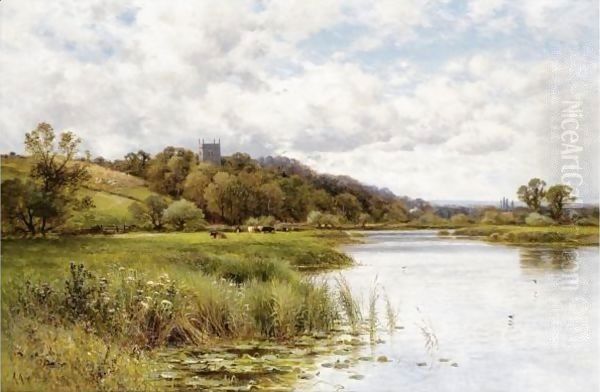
348, 303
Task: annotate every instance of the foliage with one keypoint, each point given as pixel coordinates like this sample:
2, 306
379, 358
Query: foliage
182, 213
44, 202
557, 196
459, 219
535, 219
152, 211
167, 172
533, 193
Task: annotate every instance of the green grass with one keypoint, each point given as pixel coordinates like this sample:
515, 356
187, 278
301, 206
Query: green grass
520, 234
94, 327
179, 253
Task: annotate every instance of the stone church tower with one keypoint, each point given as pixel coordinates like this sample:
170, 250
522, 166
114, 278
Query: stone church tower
211, 152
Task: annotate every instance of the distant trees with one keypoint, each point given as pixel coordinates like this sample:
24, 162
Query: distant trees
150, 211
533, 193
556, 197
242, 187
43, 202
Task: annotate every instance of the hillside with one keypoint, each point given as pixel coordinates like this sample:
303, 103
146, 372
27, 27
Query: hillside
111, 191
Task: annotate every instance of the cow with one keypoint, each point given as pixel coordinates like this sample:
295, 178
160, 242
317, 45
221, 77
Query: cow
268, 229
216, 235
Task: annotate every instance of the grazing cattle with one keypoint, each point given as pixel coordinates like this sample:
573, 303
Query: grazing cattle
251, 229
216, 235
268, 229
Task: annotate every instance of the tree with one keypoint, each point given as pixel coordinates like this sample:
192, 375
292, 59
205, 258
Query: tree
46, 200
557, 196
396, 212
150, 211
271, 198
168, 170
364, 218
194, 187
136, 163
21, 202
348, 205
183, 212
533, 193
216, 193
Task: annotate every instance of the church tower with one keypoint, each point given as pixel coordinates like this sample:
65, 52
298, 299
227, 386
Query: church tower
211, 152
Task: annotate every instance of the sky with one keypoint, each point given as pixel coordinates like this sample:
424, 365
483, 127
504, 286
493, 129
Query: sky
433, 99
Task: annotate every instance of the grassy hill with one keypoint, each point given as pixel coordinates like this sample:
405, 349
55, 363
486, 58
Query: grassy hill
112, 192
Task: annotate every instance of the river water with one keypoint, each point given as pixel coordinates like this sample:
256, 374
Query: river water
473, 316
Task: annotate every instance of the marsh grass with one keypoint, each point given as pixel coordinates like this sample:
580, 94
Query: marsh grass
391, 314
372, 309
125, 311
349, 305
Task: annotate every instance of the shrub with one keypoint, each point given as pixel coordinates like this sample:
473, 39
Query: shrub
182, 214
535, 219
459, 219
589, 221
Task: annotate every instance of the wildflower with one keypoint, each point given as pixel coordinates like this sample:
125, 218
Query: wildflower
166, 304
121, 269
150, 283
145, 305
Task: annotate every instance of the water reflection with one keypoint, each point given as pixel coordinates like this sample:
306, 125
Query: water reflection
548, 258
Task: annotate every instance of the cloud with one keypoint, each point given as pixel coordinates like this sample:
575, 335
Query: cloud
355, 87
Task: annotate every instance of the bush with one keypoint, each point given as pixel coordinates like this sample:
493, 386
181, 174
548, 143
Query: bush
535, 219
184, 214
459, 219
429, 218
589, 221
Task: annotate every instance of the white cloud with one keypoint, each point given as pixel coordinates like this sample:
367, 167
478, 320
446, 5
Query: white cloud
150, 74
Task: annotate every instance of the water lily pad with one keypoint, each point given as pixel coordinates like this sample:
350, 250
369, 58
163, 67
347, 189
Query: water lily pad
382, 358
454, 364
365, 358
444, 360
421, 363
357, 376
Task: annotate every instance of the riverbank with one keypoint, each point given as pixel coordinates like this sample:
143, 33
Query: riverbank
97, 323
523, 235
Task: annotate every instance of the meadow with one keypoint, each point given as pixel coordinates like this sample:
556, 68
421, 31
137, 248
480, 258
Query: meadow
88, 312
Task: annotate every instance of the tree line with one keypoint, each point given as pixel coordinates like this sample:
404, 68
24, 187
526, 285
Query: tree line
188, 191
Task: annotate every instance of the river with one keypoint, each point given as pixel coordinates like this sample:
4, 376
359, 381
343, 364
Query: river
473, 316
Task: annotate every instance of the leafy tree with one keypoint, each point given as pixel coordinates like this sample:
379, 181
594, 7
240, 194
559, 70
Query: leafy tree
183, 212
217, 193
557, 196
271, 198
136, 163
348, 206
168, 170
150, 211
296, 198
533, 193
44, 202
396, 212
194, 187
364, 218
